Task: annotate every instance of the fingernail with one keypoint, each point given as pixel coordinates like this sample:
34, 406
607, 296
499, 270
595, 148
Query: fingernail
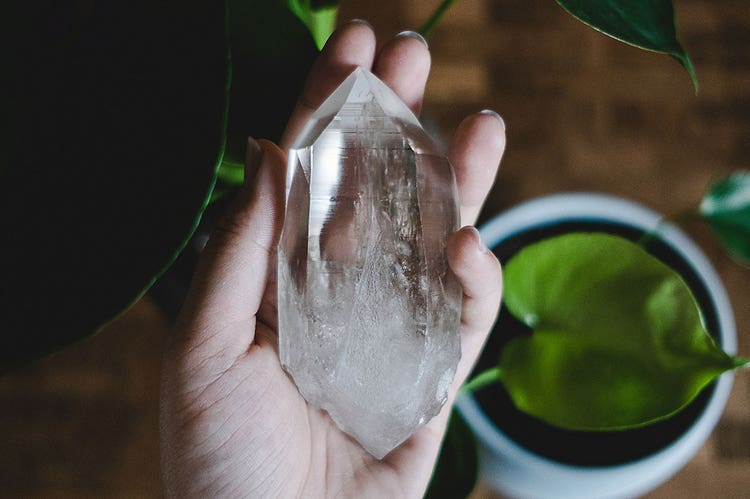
415, 35
490, 112
480, 242
362, 21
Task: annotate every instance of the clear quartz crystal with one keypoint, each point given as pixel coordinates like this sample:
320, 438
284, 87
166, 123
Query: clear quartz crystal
368, 308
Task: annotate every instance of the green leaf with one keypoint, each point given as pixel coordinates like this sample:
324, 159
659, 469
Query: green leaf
114, 125
726, 208
618, 339
272, 52
647, 24
456, 472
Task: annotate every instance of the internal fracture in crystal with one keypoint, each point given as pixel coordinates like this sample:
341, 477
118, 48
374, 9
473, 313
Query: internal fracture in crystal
368, 307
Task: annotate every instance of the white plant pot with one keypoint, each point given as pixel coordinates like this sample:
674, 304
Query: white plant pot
517, 472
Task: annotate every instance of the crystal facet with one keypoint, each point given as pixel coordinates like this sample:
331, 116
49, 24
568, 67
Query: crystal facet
368, 307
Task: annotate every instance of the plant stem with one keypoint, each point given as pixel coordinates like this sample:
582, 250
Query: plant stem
231, 172
427, 27
492, 375
322, 24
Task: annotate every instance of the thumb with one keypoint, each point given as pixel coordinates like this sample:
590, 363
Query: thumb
231, 276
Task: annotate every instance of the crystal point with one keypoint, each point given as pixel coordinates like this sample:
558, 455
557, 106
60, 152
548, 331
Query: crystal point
368, 307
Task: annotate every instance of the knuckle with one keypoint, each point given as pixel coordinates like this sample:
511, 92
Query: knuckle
227, 227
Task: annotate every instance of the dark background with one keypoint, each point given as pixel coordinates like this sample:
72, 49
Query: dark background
583, 112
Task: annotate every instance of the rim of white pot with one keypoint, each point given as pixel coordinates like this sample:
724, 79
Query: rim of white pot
653, 469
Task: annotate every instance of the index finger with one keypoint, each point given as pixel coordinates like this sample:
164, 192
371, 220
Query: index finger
350, 46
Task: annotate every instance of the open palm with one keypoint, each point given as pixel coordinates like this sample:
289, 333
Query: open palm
232, 422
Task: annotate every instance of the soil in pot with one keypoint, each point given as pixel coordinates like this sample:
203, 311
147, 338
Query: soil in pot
576, 447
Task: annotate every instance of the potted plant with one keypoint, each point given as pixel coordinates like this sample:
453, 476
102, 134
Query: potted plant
603, 375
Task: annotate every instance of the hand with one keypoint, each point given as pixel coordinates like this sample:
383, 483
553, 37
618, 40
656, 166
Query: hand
232, 422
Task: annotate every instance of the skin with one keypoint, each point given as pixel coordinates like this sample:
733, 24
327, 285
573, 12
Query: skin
232, 422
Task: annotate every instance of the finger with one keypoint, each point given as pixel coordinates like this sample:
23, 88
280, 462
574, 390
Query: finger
350, 46
404, 64
475, 154
231, 275
479, 273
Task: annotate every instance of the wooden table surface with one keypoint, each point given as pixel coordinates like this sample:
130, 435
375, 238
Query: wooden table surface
583, 113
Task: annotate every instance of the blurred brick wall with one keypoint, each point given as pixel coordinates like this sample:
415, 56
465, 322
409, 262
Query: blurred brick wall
583, 113
84, 422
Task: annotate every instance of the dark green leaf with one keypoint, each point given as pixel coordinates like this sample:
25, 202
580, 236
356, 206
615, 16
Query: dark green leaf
648, 24
115, 114
618, 339
272, 52
456, 471
726, 208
